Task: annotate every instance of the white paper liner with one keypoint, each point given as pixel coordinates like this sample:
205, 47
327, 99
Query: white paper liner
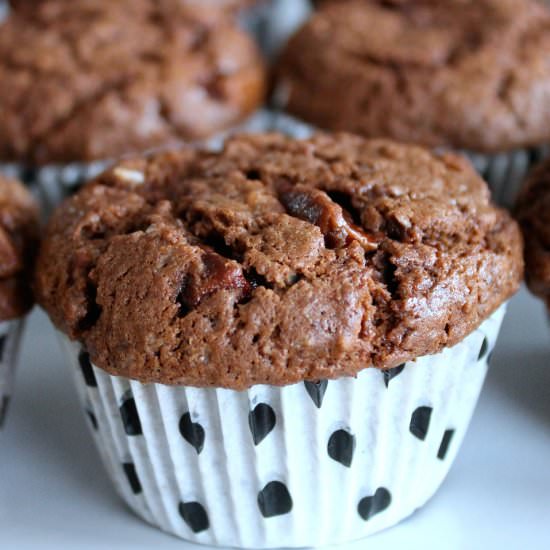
3, 9
10, 337
506, 172
193, 461
273, 21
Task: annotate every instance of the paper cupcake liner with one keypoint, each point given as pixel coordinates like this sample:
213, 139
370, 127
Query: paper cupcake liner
503, 172
506, 172
273, 21
3, 9
10, 336
302, 465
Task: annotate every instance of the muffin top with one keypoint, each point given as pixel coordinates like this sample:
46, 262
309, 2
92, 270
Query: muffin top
95, 79
470, 74
18, 245
276, 261
533, 213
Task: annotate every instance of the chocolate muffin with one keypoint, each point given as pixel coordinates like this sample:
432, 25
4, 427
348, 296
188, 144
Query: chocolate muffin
463, 74
153, 74
251, 236
533, 214
18, 244
91, 80
264, 314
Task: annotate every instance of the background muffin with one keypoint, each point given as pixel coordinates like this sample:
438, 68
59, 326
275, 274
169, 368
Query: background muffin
225, 308
18, 240
464, 75
92, 80
533, 213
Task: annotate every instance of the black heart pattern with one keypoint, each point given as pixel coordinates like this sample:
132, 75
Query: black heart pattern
130, 416
341, 446
370, 506
192, 432
194, 515
87, 369
316, 391
261, 420
484, 350
2, 346
274, 500
445, 442
4, 404
420, 422
389, 374
133, 479
92, 417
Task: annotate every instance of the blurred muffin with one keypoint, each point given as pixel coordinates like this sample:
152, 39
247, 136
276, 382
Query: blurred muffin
18, 244
533, 214
229, 5
463, 74
92, 80
225, 310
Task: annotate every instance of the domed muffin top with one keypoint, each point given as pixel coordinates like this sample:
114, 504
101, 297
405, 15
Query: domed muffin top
276, 260
469, 74
533, 213
18, 246
95, 79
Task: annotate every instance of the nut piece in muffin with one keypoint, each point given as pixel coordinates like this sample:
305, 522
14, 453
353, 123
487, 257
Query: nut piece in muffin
533, 214
468, 74
18, 246
96, 79
276, 261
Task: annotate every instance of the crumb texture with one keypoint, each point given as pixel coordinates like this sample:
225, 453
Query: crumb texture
470, 74
96, 79
18, 247
533, 214
276, 261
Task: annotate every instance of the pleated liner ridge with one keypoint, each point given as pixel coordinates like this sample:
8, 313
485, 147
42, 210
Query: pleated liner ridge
303, 465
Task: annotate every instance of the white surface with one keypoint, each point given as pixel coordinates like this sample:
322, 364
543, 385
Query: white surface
55, 494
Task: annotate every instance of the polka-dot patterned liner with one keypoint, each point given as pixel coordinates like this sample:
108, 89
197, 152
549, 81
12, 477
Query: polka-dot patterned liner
233, 468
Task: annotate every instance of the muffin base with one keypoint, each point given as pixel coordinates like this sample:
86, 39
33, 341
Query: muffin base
10, 338
303, 465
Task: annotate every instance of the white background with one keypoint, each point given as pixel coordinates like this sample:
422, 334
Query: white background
55, 494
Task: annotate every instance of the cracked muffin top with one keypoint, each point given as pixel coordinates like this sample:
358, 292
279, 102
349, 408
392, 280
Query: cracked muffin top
276, 261
471, 74
18, 246
533, 214
95, 79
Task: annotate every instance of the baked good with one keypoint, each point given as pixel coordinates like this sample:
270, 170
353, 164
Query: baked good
95, 79
225, 307
533, 214
464, 74
370, 223
18, 246
468, 75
